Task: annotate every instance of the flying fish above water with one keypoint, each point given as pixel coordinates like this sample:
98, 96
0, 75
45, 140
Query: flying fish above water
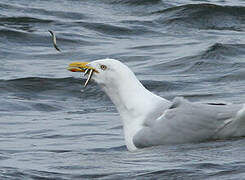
54, 40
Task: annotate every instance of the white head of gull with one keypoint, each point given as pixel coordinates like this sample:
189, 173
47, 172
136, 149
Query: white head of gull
150, 120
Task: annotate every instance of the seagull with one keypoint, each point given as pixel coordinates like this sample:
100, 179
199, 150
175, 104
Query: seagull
150, 120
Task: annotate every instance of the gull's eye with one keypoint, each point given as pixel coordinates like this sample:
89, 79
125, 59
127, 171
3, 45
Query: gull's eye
103, 67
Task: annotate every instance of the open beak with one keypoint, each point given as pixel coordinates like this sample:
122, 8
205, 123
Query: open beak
82, 67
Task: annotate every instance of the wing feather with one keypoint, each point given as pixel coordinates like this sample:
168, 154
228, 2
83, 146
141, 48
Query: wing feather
185, 121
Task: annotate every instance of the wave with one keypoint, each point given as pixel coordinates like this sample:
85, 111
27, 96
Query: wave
191, 16
124, 29
12, 173
23, 19
173, 173
47, 14
37, 84
23, 23
47, 94
223, 51
203, 16
215, 58
133, 2
68, 87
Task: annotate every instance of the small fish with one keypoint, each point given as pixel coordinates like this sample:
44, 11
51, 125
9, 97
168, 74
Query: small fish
54, 40
90, 74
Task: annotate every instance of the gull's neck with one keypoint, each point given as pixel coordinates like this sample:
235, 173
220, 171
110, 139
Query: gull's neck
135, 104
133, 100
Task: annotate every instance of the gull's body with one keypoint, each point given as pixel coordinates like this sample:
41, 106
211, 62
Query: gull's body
150, 120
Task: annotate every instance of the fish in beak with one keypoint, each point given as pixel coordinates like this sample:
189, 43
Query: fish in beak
82, 67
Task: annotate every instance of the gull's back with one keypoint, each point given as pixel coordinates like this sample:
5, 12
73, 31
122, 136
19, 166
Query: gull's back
186, 122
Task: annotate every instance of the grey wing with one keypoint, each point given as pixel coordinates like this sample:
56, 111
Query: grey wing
184, 122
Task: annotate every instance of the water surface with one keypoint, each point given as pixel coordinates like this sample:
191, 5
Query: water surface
53, 128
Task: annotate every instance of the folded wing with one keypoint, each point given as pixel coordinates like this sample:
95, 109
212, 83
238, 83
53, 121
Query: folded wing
185, 121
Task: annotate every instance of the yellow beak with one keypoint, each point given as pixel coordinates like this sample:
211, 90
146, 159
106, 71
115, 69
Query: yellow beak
79, 67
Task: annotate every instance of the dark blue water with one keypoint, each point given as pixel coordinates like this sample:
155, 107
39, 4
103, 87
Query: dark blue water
53, 128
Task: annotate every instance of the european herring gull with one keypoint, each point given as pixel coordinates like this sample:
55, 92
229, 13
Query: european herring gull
150, 120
